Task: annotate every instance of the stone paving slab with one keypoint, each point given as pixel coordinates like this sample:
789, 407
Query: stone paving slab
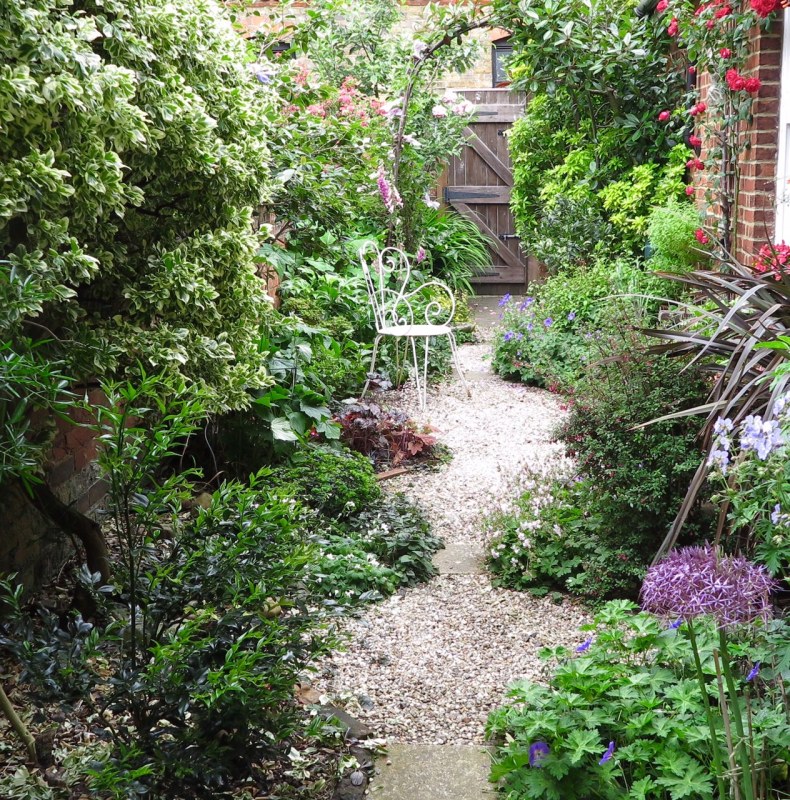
433, 772
460, 559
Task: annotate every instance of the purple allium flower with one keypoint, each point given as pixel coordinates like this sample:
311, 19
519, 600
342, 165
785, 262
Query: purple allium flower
509, 336
776, 514
754, 671
607, 754
584, 646
693, 581
572, 316
548, 322
537, 752
504, 300
761, 437
526, 303
420, 257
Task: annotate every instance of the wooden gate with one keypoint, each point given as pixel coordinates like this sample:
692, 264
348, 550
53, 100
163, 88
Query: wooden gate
479, 183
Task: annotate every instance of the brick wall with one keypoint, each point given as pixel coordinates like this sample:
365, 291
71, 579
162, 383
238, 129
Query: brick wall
31, 545
757, 186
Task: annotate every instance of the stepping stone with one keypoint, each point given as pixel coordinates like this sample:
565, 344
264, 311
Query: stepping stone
460, 559
433, 772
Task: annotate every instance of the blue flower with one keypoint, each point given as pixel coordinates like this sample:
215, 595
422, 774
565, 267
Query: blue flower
572, 316
509, 336
526, 303
530, 326
607, 755
761, 437
776, 514
584, 646
675, 625
548, 322
505, 300
519, 336
537, 752
754, 671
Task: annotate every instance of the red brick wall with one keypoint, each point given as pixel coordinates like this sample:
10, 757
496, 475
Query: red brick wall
757, 187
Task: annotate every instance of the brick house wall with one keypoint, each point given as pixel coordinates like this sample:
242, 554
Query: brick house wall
755, 216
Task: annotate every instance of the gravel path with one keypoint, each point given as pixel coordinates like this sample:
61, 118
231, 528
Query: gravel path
429, 664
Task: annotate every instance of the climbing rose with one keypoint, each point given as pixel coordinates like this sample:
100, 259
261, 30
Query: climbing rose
699, 108
664, 116
662, 6
701, 236
672, 30
725, 11
764, 7
689, 190
735, 80
725, 52
695, 163
694, 581
692, 70
752, 85
695, 141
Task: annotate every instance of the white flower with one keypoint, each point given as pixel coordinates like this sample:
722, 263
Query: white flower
463, 107
449, 97
434, 204
409, 138
439, 112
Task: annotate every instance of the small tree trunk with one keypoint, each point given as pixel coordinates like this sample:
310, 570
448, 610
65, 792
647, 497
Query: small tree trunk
18, 726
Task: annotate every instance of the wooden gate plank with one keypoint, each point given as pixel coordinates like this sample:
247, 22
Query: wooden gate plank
489, 156
498, 246
478, 194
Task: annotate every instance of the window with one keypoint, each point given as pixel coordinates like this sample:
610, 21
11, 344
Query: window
783, 156
501, 50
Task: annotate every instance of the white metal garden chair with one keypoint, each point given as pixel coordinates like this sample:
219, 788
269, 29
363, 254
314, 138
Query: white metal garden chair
387, 274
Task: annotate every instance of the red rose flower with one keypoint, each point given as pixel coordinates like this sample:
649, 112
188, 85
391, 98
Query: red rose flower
699, 108
701, 236
764, 7
662, 6
664, 116
735, 80
752, 85
725, 11
672, 30
695, 141
725, 52
709, 24
689, 190
692, 70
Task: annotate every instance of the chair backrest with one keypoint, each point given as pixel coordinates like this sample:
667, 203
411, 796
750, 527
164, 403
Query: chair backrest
387, 274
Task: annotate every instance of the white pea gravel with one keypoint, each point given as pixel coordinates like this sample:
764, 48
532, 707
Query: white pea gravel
429, 664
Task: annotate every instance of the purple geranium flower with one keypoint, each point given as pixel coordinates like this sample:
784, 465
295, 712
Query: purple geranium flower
776, 514
694, 581
509, 335
607, 754
526, 303
675, 625
572, 316
505, 300
584, 646
537, 752
754, 671
548, 322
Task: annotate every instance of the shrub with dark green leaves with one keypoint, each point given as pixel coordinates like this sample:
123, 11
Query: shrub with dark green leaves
337, 483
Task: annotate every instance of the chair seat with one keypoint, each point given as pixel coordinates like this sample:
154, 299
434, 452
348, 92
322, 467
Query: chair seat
416, 330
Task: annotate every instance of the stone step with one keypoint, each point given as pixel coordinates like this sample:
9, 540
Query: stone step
460, 559
433, 772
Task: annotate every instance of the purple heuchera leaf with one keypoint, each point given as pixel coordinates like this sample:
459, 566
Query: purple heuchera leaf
694, 581
537, 752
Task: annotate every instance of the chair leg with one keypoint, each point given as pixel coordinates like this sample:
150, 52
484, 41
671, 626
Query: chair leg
420, 387
425, 371
456, 361
372, 366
